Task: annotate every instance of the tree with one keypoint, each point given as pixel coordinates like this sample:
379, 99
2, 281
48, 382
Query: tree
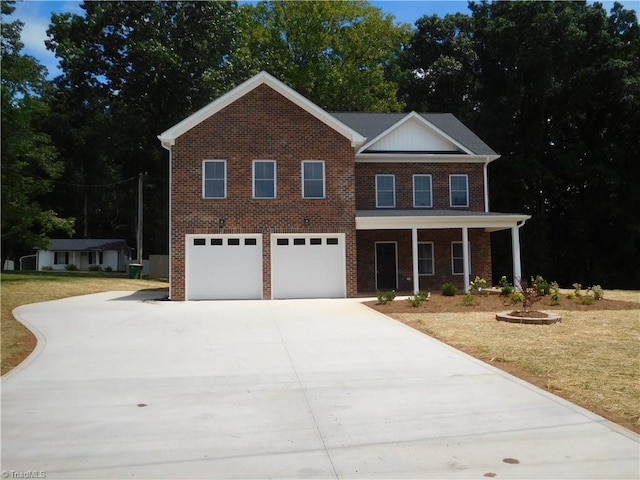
555, 88
29, 161
338, 54
131, 70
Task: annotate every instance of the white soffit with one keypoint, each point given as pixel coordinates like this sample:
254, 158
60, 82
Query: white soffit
414, 134
168, 137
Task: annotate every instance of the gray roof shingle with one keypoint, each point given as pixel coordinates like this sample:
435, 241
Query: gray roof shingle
86, 244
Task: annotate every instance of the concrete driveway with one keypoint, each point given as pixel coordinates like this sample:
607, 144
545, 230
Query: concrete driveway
124, 388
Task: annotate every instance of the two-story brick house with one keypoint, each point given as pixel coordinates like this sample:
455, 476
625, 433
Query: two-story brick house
273, 197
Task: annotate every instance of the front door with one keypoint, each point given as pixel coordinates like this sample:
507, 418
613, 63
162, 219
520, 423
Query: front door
386, 266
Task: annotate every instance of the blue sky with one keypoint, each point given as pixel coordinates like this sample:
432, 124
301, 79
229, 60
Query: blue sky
36, 14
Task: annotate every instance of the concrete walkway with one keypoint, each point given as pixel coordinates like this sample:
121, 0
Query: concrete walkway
124, 388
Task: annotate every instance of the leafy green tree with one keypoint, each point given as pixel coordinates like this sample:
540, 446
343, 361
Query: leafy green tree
131, 70
338, 54
554, 87
29, 161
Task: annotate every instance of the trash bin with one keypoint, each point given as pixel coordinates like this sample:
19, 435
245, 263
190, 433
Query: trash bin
135, 270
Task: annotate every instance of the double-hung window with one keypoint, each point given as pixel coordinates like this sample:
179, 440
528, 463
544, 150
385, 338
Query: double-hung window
264, 179
457, 260
425, 258
313, 179
385, 191
459, 190
422, 192
95, 258
214, 179
60, 258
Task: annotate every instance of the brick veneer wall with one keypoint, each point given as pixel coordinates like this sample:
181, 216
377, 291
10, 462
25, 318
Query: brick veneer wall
261, 125
366, 183
480, 246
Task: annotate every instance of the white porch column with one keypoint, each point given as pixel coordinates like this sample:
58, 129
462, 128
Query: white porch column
515, 250
465, 258
414, 250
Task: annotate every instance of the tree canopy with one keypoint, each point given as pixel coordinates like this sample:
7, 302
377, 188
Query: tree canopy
554, 87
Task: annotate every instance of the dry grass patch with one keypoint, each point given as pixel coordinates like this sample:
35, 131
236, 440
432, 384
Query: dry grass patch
592, 358
21, 289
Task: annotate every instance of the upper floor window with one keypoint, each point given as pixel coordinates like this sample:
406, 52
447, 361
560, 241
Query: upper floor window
422, 192
264, 179
313, 179
459, 190
425, 258
214, 179
385, 191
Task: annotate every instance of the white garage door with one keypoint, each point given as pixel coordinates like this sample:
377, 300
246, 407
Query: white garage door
308, 266
223, 267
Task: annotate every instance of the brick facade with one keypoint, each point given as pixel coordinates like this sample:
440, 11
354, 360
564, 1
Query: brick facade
366, 186
480, 252
261, 125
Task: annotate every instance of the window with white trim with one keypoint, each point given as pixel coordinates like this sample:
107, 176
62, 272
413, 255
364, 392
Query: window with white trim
95, 258
264, 179
422, 191
457, 261
425, 258
313, 179
385, 191
459, 190
214, 179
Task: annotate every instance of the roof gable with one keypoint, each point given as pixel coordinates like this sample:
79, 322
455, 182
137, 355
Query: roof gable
168, 137
413, 134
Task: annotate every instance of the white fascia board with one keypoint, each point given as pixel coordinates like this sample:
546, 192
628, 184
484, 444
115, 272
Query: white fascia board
490, 224
168, 137
421, 119
422, 157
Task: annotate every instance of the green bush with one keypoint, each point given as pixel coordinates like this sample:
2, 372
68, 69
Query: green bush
555, 294
385, 296
577, 289
468, 300
94, 268
72, 267
419, 298
478, 285
516, 297
506, 288
541, 285
108, 269
47, 268
587, 299
597, 291
449, 289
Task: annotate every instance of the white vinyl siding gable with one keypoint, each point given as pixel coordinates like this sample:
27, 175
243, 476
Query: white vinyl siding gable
422, 191
459, 190
264, 179
313, 179
385, 191
214, 179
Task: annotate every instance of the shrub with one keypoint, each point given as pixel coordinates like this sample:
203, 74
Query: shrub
506, 288
71, 267
571, 295
108, 269
555, 294
468, 300
541, 285
587, 299
419, 298
478, 285
385, 296
46, 268
597, 291
94, 268
577, 289
516, 297
449, 289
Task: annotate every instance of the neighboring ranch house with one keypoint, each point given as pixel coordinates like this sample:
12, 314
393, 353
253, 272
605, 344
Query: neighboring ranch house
273, 197
84, 254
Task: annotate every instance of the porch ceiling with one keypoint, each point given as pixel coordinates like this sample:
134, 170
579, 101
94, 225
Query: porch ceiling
431, 219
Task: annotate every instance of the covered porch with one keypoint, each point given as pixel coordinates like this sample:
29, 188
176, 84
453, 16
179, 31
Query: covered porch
458, 225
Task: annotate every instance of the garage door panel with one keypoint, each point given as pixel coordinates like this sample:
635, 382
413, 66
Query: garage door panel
224, 267
310, 266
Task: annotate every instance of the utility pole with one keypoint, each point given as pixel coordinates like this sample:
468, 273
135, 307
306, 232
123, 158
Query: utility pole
139, 228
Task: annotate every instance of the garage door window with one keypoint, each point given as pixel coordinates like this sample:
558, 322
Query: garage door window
264, 179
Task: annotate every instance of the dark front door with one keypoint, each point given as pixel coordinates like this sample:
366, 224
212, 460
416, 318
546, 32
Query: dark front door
386, 266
